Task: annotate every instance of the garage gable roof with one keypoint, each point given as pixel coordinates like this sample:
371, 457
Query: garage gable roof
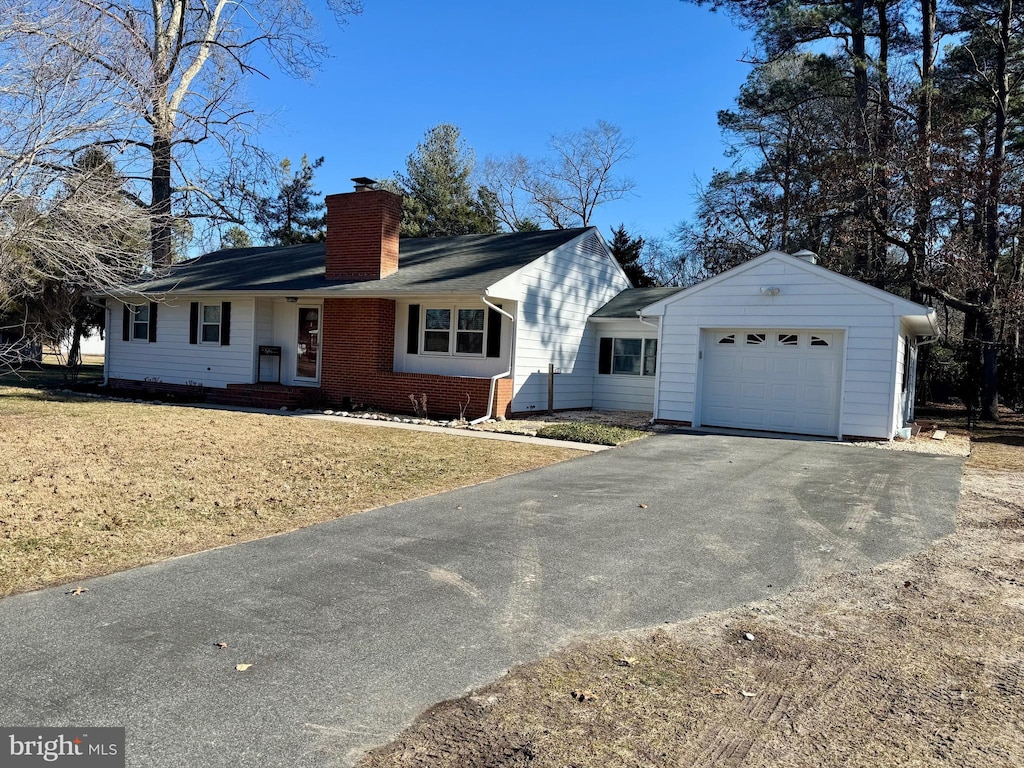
901, 306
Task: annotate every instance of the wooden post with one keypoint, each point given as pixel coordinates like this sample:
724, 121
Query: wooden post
551, 388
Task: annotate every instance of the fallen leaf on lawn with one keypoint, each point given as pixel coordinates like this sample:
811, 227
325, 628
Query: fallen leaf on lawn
719, 692
581, 695
748, 694
77, 591
626, 661
221, 645
643, 506
242, 667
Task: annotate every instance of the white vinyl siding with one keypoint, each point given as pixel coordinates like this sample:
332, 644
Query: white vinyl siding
621, 392
172, 360
807, 300
559, 292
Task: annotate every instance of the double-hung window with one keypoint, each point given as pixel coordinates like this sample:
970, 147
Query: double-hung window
140, 322
469, 335
628, 356
437, 331
210, 333
453, 331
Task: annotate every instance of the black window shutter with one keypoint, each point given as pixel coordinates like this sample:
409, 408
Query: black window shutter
604, 362
225, 323
493, 333
193, 323
412, 344
126, 324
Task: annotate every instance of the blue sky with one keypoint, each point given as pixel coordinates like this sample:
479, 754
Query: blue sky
511, 74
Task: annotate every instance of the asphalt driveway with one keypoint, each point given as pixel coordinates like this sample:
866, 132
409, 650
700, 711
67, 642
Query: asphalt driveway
355, 626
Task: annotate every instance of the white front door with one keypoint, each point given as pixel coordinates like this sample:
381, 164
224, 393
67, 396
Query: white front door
771, 379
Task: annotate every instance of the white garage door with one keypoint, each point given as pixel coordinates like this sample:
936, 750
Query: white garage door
776, 380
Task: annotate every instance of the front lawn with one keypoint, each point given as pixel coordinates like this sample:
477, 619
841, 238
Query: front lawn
90, 486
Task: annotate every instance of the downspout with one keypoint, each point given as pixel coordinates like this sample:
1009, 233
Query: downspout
494, 379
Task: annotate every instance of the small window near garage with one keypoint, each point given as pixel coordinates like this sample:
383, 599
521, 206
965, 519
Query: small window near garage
789, 340
821, 341
211, 324
437, 330
469, 338
628, 357
140, 322
756, 338
729, 338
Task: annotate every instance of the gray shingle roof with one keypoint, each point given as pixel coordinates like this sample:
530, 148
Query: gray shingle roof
627, 303
466, 263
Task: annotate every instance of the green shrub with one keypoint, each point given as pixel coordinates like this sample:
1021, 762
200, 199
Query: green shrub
582, 432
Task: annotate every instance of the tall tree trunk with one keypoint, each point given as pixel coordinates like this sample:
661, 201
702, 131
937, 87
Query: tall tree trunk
862, 145
993, 198
160, 228
923, 204
883, 136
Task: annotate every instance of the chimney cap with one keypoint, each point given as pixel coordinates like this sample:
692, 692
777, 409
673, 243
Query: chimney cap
362, 182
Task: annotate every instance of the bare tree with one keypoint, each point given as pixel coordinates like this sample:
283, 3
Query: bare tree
565, 187
509, 179
58, 227
186, 133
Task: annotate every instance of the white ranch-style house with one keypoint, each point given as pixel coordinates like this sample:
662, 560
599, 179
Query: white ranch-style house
474, 323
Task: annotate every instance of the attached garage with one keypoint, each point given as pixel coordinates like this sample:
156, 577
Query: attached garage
782, 344
780, 380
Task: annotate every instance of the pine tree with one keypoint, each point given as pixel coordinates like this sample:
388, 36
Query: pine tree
293, 215
439, 195
627, 251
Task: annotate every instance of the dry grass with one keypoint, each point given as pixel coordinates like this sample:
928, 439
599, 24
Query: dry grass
916, 663
88, 487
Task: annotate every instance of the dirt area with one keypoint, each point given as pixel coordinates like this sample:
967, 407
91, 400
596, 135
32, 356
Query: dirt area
90, 486
918, 662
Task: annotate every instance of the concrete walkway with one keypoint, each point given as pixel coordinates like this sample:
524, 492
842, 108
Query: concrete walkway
355, 626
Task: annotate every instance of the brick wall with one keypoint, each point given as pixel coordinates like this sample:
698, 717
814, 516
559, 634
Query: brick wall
362, 234
358, 361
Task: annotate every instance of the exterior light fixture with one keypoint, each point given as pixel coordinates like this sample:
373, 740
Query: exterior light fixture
770, 291
294, 299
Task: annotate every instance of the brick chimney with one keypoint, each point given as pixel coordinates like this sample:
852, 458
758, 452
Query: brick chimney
362, 233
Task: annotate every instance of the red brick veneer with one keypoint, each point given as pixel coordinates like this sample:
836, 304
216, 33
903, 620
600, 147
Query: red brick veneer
358, 362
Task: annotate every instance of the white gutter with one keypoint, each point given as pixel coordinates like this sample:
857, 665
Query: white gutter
645, 322
494, 379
